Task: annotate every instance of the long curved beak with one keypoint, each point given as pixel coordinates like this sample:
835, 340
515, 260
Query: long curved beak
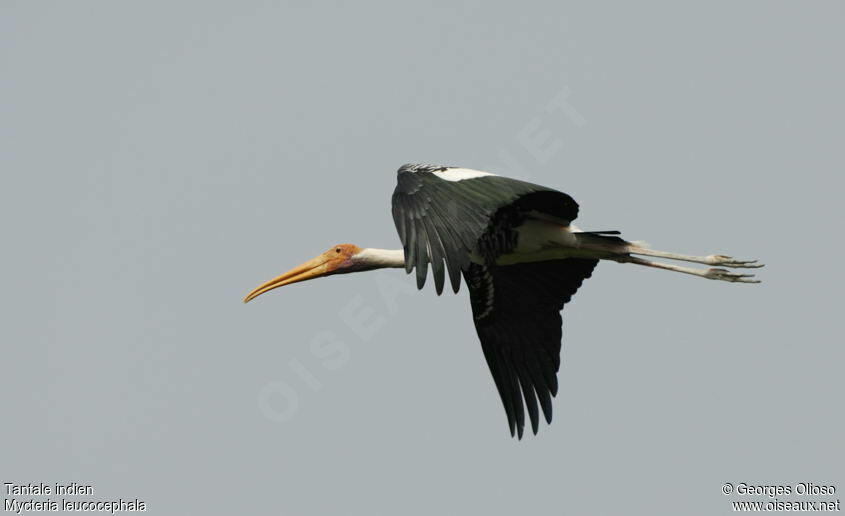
311, 269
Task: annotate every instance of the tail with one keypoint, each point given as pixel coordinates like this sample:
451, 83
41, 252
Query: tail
613, 232
607, 241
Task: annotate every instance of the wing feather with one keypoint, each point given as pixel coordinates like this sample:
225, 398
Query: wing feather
515, 395
527, 385
452, 253
519, 326
437, 252
500, 376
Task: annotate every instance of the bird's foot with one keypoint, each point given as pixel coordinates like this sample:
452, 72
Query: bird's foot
726, 275
727, 261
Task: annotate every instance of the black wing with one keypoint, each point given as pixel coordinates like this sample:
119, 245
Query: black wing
517, 316
441, 221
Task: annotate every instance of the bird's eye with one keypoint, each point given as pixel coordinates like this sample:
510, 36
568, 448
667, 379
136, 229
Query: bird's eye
337, 250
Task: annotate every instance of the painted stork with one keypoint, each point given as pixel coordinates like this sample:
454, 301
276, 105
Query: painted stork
521, 257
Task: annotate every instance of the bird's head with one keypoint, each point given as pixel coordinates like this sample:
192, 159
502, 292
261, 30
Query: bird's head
340, 259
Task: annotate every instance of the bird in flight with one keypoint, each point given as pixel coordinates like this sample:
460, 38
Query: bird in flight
521, 257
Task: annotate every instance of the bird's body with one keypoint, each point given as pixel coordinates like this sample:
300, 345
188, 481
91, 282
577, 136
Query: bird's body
521, 257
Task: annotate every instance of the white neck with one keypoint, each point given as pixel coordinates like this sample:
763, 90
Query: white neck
382, 258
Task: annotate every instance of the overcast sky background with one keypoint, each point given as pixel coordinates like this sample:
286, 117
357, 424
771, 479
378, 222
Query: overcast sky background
161, 159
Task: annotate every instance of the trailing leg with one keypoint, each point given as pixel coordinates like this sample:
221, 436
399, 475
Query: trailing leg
714, 274
713, 259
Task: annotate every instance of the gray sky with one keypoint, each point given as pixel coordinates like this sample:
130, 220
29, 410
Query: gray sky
161, 159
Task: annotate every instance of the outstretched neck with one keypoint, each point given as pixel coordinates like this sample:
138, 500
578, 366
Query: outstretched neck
381, 258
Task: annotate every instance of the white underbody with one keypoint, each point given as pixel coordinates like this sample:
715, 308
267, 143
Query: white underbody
540, 240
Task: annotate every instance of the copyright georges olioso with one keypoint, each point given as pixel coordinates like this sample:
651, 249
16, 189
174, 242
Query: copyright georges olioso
73, 497
800, 497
